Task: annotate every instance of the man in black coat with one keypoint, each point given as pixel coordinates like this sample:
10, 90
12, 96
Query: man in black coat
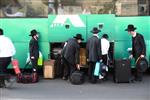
93, 53
34, 49
138, 48
70, 54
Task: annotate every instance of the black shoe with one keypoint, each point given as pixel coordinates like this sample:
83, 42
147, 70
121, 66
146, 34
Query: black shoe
132, 79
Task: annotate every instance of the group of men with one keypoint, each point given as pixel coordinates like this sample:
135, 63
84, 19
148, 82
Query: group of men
97, 50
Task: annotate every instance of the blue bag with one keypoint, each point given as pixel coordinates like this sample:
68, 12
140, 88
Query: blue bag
97, 69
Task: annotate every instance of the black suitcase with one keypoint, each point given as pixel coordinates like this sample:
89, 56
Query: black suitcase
58, 70
77, 78
122, 71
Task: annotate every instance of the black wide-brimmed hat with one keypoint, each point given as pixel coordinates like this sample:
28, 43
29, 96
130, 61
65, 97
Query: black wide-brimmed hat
130, 28
95, 30
1, 31
33, 32
142, 64
78, 36
105, 36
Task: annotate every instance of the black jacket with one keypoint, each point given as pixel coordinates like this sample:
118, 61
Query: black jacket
93, 48
71, 51
138, 45
34, 48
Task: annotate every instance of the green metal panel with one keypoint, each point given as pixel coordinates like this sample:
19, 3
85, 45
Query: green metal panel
57, 30
108, 22
121, 49
142, 24
18, 29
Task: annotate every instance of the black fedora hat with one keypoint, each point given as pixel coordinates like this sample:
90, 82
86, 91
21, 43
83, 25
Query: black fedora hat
33, 32
130, 28
95, 30
142, 64
1, 31
78, 36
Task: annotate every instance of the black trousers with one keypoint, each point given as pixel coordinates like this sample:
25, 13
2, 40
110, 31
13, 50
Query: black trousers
4, 62
105, 59
92, 78
34, 64
68, 68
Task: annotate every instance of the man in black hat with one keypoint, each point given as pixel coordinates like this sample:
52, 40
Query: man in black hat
93, 53
34, 49
138, 48
70, 54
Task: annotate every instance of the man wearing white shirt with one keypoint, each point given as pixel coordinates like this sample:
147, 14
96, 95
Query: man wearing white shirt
105, 48
7, 50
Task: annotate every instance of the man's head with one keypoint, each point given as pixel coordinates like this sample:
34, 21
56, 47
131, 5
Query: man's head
105, 36
79, 38
131, 29
1, 31
95, 30
34, 33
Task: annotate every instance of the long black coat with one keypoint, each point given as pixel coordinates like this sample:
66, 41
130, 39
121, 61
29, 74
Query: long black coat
34, 48
71, 51
138, 46
93, 48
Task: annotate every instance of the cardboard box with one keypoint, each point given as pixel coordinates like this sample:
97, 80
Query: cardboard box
82, 56
49, 69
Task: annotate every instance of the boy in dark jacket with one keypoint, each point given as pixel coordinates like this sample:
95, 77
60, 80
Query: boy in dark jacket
34, 49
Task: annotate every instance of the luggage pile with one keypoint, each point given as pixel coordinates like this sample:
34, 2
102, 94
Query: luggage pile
24, 77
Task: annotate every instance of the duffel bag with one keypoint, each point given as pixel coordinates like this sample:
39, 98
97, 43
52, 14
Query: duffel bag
27, 78
142, 64
77, 78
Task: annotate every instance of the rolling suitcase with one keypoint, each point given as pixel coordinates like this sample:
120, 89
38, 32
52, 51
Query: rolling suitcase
122, 71
58, 70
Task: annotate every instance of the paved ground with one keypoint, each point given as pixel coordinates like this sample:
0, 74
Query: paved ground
58, 89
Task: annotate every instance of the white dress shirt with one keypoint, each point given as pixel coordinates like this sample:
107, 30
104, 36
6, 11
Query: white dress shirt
104, 46
7, 48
